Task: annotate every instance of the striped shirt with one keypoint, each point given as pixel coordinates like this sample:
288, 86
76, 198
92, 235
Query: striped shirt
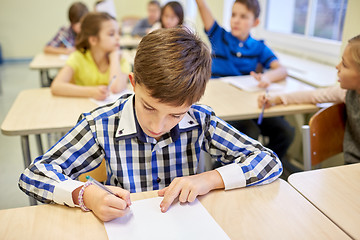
137, 162
65, 37
233, 57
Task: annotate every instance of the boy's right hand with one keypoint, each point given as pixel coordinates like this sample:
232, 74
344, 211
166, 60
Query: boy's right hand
107, 206
100, 92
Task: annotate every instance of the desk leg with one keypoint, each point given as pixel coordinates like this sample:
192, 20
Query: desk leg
44, 78
27, 159
39, 144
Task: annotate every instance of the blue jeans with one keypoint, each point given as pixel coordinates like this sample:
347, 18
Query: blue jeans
280, 132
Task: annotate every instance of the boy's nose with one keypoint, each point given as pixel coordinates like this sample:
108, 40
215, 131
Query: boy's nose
157, 126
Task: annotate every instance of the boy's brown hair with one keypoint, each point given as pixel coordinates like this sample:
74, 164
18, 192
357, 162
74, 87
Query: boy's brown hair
76, 11
174, 66
252, 5
90, 26
354, 44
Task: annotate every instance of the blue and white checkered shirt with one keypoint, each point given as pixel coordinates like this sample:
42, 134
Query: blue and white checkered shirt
137, 162
65, 37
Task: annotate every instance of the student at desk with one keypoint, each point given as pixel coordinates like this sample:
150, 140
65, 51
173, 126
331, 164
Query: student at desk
96, 68
172, 15
237, 53
152, 139
64, 40
348, 92
143, 26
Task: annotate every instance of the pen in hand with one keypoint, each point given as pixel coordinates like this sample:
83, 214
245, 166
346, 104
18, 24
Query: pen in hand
111, 81
263, 109
100, 185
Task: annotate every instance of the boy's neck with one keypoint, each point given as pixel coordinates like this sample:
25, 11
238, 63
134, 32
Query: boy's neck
243, 38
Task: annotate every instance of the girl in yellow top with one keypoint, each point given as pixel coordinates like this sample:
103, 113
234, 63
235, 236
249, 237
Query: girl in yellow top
96, 68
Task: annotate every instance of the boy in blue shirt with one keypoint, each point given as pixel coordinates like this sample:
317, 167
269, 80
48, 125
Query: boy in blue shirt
237, 53
152, 139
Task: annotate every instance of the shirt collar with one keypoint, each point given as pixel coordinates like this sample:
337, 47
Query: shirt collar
129, 126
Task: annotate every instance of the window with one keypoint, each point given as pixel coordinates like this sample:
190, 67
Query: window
307, 28
314, 18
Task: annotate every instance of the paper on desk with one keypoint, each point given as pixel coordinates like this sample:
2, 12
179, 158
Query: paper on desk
182, 221
250, 84
111, 98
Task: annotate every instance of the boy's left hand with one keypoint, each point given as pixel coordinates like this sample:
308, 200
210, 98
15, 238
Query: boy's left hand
189, 187
264, 81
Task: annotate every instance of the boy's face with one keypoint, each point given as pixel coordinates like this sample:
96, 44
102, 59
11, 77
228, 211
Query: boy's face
242, 20
169, 18
108, 37
155, 118
153, 13
76, 27
348, 71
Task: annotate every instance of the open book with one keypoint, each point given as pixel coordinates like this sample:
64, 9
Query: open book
111, 98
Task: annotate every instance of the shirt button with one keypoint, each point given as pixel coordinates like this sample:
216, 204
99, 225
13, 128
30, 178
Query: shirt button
238, 54
158, 180
241, 44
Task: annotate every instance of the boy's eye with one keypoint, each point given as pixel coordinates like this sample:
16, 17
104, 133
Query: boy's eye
148, 108
176, 116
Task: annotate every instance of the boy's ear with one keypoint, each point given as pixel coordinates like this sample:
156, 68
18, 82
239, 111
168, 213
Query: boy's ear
132, 79
256, 22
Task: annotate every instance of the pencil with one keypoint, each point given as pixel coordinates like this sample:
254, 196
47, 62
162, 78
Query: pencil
262, 109
99, 185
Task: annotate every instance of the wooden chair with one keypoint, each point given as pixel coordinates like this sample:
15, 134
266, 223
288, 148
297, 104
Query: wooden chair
324, 136
98, 173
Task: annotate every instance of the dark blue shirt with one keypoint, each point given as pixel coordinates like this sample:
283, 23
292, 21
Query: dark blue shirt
233, 57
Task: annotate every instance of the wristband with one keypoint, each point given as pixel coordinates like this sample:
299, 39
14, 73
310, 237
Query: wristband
81, 196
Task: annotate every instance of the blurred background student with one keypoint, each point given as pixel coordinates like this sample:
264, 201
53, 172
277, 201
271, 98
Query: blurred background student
96, 68
144, 25
172, 15
64, 40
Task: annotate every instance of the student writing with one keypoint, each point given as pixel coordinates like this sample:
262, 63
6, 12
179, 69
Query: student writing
95, 63
152, 139
348, 92
64, 40
237, 53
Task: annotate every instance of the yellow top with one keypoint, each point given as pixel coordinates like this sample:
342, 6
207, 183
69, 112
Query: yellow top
86, 73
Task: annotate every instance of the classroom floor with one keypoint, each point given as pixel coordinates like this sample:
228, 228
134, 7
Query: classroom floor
14, 77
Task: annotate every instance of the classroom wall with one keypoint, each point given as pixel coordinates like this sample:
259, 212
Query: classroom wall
26, 26
352, 19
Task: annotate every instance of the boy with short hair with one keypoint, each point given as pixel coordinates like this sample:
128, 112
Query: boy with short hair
237, 53
64, 40
152, 139
144, 25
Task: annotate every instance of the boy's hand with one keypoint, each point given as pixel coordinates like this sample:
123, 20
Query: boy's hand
264, 82
107, 206
100, 92
189, 187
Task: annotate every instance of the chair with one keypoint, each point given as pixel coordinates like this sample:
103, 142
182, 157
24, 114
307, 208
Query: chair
98, 173
324, 136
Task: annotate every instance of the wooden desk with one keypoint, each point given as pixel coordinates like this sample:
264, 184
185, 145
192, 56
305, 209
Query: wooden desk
273, 211
335, 192
44, 62
231, 103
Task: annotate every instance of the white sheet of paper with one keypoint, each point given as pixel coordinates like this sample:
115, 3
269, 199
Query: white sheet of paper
250, 84
182, 221
111, 98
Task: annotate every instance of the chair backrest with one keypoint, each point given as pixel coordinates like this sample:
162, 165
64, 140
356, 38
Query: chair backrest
324, 136
98, 173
